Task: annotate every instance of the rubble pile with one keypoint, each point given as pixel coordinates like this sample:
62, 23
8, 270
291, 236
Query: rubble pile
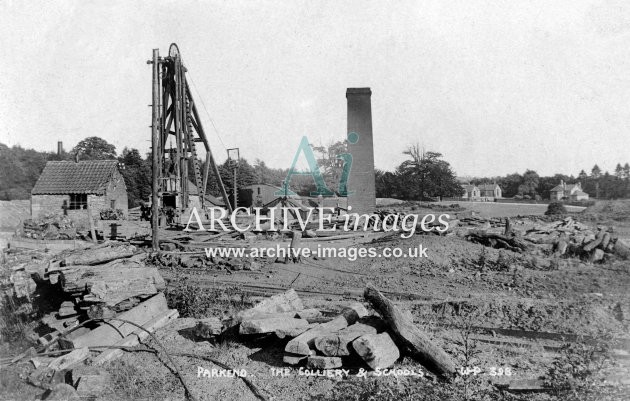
51, 226
112, 214
572, 238
103, 298
353, 339
561, 238
199, 260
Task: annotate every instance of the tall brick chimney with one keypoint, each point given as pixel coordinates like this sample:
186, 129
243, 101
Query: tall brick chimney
59, 148
361, 182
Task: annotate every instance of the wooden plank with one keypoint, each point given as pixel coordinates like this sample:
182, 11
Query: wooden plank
294, 248
595, 243
408, 335
69, 359
94, 256
116, 276
112, 332
259, 326
137, 336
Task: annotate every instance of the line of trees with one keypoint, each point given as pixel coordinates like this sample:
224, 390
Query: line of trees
531, 185
423, 175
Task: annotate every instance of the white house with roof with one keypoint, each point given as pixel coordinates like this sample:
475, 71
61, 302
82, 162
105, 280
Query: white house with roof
470, 192
566, 191
490, 192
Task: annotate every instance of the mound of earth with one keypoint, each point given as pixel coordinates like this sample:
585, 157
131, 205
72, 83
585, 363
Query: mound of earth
616, 210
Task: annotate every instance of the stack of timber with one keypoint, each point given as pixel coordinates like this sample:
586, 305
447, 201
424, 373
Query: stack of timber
101, 282
561, 238
104, 298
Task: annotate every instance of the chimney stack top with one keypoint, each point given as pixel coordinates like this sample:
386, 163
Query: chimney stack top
358, 91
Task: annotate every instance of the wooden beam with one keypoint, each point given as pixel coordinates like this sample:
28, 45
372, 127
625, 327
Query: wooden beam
408, 335
112, 332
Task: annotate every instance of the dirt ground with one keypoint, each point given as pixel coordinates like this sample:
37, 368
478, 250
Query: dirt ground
499, 313
493, 309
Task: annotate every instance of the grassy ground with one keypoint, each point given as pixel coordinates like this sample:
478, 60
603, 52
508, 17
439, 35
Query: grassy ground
494, 209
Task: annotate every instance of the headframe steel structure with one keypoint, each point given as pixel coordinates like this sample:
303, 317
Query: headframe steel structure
176, 124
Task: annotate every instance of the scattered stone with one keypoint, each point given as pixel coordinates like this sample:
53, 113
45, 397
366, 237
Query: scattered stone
208, 328
377, 350
259, 326
337, 344
293, 331
293, 359
324, 362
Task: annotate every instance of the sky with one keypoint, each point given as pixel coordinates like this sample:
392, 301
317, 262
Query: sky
497, 87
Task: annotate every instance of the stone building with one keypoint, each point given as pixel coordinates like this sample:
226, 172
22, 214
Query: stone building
566, 191
67, 187
490, 192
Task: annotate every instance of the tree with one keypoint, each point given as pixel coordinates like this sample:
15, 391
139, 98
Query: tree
626, 171
426, 175
386, 184
330, 165
596, 172
529, 185
95, 148
19, 170
619, 171
137, 175
510, 184
582, 176
245, 176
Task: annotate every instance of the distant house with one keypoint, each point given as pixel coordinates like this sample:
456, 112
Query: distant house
259, 194
67, 187
471, 192
485, 192
490, 192
566, 191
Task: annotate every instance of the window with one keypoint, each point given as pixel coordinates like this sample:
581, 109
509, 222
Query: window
112, 204
78, 201
258, 190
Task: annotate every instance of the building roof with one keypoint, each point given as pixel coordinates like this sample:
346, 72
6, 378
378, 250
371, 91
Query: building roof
488, 187
67, 177
275, 187
560, 188
469, 187
579, 193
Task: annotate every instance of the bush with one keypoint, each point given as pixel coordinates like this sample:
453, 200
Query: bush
199, 302
555, 208
112, 214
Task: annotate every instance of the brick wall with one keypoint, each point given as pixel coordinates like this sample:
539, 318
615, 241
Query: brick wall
44, 204
361, 181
